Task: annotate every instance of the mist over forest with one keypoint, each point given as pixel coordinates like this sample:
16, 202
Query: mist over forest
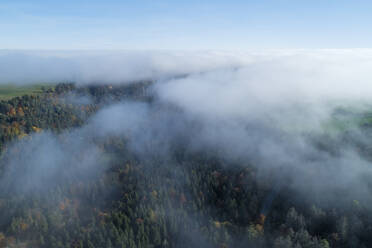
263, 148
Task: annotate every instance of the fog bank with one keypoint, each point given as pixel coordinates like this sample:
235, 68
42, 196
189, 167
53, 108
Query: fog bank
271, 109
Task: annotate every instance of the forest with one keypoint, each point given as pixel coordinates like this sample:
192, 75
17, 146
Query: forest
119, 196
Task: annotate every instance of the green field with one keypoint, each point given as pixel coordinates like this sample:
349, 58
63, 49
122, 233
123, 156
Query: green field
9, 91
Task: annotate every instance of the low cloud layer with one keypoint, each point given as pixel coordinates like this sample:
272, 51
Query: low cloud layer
101, 67
22, 67
271, 109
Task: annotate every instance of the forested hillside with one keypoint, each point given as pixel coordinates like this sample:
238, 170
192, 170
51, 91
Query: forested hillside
186, 198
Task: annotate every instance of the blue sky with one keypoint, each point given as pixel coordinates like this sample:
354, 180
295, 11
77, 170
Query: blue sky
202, 24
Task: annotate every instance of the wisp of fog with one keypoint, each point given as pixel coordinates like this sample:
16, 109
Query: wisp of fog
271, 108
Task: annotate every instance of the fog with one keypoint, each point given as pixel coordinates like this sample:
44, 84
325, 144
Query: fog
268, 108
106, 67
84, 67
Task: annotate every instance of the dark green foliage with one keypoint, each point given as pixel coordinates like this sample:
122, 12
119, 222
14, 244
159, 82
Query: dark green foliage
187, 200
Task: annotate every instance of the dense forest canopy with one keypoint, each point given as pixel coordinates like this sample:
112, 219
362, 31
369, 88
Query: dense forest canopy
177, 149
113, 166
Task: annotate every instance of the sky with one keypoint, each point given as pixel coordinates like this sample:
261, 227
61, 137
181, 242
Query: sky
183, 25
